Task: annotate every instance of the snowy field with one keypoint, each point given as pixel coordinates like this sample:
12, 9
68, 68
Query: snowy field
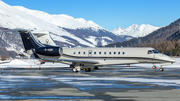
30, 63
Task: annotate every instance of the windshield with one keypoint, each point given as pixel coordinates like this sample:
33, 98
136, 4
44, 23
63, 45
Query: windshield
155, 51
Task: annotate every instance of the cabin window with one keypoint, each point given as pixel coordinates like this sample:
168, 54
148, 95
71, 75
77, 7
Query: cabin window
94, 52
89, 52
74, 52
123, 53
104, 52
79, 52
84, 53
114, 52
150, 52
118, 52
99, 52
109, 52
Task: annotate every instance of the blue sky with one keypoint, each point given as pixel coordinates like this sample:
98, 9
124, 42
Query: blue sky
110, 14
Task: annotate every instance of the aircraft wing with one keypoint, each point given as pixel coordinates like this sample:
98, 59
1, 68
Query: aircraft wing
70, 60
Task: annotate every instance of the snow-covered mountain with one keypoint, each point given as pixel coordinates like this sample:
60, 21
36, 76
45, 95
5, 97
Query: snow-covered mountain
66, 30
135, 30
61, 19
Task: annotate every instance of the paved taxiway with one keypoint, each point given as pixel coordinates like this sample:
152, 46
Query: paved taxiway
115, 83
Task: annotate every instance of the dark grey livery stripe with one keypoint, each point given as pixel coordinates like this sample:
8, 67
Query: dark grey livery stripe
117, 58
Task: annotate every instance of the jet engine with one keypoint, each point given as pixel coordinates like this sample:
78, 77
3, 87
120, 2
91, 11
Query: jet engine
49, 51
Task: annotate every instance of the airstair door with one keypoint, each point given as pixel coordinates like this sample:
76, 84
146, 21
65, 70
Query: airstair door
89, 53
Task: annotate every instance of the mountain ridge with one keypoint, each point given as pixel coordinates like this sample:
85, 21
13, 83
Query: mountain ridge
168, 32
135, 30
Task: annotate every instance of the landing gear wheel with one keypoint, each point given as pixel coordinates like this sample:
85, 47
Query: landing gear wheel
96, 67
154, 67
78, 69
87, 69
74, 70
161, 69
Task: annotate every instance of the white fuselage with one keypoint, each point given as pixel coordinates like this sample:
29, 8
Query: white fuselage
114, 56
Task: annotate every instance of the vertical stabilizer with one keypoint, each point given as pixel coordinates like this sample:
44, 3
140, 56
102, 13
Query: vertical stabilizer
29, 40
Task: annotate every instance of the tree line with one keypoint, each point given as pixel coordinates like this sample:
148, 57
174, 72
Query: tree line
170, 48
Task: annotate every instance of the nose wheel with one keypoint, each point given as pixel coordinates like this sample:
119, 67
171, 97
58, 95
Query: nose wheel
154, 67
161, 69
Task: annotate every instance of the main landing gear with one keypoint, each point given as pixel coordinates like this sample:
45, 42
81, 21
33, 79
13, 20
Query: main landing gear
88, 69
160, 69
78, 68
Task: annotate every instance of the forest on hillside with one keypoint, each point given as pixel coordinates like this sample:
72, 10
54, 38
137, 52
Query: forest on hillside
170, 48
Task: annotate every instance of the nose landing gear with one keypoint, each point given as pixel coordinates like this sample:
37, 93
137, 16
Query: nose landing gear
154, 67
161, 69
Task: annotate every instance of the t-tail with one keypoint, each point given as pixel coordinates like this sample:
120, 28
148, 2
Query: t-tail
35, 48
29, 40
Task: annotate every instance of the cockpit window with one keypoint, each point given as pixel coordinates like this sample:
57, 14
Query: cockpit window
150, 52
155, 51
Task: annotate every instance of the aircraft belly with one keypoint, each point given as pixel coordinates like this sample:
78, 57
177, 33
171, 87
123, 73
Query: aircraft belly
117, 62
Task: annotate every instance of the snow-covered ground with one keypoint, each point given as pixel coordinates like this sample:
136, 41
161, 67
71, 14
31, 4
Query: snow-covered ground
30, 63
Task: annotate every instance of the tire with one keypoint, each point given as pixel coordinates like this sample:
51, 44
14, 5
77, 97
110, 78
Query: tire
87, 69
161, 69
74, 70
96, 67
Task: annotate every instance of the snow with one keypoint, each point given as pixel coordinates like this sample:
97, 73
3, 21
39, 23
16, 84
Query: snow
92, 39
19, 17
108, 38
135, 30
103, 42
60, 20
163, 82
30, 63
17, 62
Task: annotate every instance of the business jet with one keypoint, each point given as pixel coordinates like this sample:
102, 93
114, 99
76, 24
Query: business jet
89, 58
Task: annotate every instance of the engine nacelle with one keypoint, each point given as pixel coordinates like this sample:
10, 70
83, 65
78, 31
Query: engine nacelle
49, 51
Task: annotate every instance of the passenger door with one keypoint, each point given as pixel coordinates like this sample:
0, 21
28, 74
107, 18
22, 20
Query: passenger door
90, 53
